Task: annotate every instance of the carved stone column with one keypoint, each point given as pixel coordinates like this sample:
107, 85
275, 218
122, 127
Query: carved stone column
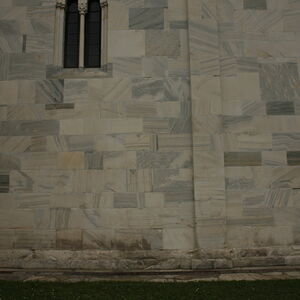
104, 28
59, 32
82, 7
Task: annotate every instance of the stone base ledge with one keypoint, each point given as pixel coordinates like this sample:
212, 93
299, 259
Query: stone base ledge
200, 259
267, 273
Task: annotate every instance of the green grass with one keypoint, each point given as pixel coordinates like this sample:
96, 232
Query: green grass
285, 289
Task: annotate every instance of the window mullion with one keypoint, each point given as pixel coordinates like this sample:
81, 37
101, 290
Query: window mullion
59, 32
104, 16
82, 7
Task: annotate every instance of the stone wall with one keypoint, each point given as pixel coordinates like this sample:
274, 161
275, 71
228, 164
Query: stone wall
245, 96
96, 160
185, 146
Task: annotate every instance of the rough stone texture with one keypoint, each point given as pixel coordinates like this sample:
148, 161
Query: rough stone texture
188, 141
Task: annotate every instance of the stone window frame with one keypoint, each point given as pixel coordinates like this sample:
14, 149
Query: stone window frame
59, 32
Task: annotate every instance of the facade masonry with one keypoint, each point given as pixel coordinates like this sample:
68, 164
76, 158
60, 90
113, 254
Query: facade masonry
181, 152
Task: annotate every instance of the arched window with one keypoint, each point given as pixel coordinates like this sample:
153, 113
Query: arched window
72, 29
81, 33
92, 47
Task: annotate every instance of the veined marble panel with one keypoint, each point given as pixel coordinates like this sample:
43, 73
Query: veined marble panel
274, 158
118, 15
111, 89
162, 43
8, 92
286, 141
148, 89
146, 18
123, 66
14, 143
291, 19
126, 43
279, 82
177, 89
49, 91
156, 3
157, 160
255, 4
11, 43
27, 66
41, 19
154, 66
247, 142
167, 142
29, 128
75, 90
24, 112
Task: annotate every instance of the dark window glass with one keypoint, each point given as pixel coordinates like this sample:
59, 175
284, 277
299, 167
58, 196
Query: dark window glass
93, 35
72, 35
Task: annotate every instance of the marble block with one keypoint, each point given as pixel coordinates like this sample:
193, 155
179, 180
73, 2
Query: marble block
146, 18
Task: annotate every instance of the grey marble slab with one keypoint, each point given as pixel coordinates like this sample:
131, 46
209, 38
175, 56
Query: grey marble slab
14, 144
9, 162
27, 2
178, 197
293, 158
59, 218
279, 82
59, 106
140, 109
286, 141
125, 200
148, 89
157, 160
255, 4
4, 182
20, 182
41, 19
162, 43
154, 66
179, 126
178, 24
247, 64
49, 91
177, 89
232, 159
4, 66
146, 18
11, 43
278, 198
239, 183
37, 144
233, 122
280, 108
28, 128
70, 143
9, 27
42, 43
94, 160
156, 3
170, 142
250, 221
169, 180
156, 125
46, 239
27, 66
127, 66
75, 90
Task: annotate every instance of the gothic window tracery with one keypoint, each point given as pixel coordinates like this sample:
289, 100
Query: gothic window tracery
80, 33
